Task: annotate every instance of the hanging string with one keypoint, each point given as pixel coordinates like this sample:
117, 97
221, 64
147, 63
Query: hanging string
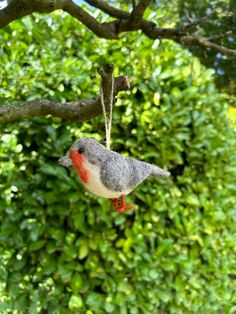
107, 113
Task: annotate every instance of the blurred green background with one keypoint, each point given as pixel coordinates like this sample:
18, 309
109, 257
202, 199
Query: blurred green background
64, 250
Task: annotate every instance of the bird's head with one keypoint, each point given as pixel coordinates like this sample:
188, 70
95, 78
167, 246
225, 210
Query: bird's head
84, 149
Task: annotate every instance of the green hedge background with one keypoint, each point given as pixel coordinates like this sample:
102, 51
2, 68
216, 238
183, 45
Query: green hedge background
64, 250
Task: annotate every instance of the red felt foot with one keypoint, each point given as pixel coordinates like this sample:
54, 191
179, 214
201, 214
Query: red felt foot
120, 204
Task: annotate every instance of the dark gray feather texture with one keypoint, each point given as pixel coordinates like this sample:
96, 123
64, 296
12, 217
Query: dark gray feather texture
121, 173
117, 173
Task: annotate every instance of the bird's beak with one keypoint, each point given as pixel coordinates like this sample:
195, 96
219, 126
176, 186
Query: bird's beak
65, 161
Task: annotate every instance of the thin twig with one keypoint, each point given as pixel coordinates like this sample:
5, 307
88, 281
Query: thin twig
201, 41
194, 23
220, 36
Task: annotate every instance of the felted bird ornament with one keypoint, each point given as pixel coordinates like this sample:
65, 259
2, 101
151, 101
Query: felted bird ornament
106, 173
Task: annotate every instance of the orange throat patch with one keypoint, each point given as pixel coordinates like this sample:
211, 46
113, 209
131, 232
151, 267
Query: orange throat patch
78, 163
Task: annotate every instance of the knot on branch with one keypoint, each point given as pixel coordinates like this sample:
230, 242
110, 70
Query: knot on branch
106, 71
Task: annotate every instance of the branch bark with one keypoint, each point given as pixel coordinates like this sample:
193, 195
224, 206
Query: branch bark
14, 11
106, 84
80, 110
106, 8
137, 14
89, 21
19, 8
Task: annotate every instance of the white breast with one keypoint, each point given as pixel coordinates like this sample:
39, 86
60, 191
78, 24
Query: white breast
95, 184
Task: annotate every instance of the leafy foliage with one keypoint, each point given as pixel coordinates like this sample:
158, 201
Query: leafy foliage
64, 250
221, 24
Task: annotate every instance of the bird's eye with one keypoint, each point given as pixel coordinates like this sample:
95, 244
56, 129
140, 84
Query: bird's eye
80, 150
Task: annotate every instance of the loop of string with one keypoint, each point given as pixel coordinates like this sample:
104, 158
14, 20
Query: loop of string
107, 113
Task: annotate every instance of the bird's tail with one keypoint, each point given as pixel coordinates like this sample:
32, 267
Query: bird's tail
158, 172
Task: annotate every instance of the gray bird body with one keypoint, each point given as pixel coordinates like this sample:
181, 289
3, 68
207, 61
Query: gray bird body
111, 174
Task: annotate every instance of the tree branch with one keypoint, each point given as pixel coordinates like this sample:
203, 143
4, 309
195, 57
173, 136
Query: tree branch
204, 42
106, 8
178, 35
137, 14
14, 11
106, 84
89, 21
80, 111
124, 22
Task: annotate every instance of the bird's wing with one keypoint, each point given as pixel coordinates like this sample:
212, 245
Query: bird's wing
123, 174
